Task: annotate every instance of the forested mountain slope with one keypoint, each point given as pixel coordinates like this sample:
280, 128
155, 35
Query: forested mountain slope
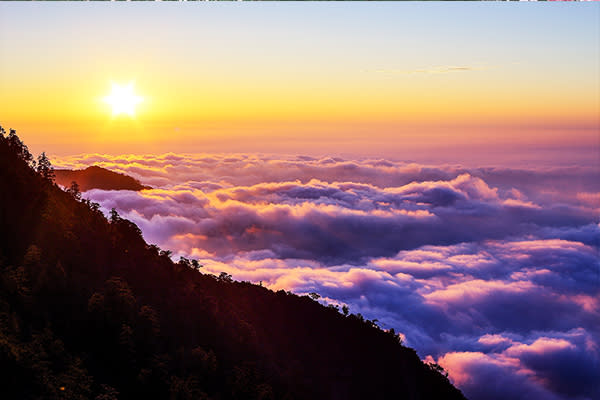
88, 310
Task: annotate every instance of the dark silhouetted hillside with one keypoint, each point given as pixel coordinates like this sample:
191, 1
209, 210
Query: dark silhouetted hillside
88, 310
95, 177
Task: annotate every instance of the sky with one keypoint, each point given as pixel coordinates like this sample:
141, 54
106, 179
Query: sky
434, 166
431, 81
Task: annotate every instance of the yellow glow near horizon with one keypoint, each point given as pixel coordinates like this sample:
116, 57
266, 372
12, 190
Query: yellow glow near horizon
292, 82
122, 99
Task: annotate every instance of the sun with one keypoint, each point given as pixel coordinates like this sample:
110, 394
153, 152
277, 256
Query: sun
122, 99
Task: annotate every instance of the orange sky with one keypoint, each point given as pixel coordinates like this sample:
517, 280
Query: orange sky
317, 79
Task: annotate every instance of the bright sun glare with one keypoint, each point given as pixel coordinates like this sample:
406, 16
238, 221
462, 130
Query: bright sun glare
123, 100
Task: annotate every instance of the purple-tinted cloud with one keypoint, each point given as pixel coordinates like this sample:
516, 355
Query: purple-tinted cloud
493, 273
337, 222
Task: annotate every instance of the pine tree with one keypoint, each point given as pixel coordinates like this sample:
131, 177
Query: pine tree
44, 167
74, 191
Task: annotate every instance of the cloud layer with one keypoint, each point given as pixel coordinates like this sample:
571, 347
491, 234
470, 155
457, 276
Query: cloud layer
493, 273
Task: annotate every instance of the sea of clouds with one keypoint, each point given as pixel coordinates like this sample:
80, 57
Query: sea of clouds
494, 273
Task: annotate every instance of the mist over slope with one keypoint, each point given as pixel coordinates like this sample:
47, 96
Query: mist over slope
492, 272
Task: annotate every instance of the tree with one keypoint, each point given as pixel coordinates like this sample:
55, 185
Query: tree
397, 336
437, 368
150, 323
196, 265
96, 304
225, 277
33, 256
93, 205
19, 147
74, 191
185, 262
345, 310
127, 343
44, 167
314, 295
114, 216
165, 253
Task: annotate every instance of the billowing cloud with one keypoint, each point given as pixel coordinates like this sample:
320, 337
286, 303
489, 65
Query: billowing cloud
493, 273
339, 222
552, 366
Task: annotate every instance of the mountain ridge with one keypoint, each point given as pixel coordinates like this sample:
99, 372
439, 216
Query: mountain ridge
96, 177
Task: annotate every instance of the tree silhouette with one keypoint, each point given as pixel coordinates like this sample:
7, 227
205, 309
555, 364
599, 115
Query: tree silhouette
345, 310
44, 167
73, 190
19, 147
196, 264
165, 253
225, 277
185, 262
114, 216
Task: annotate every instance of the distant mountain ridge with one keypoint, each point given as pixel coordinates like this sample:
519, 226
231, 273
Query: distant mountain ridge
96, 177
